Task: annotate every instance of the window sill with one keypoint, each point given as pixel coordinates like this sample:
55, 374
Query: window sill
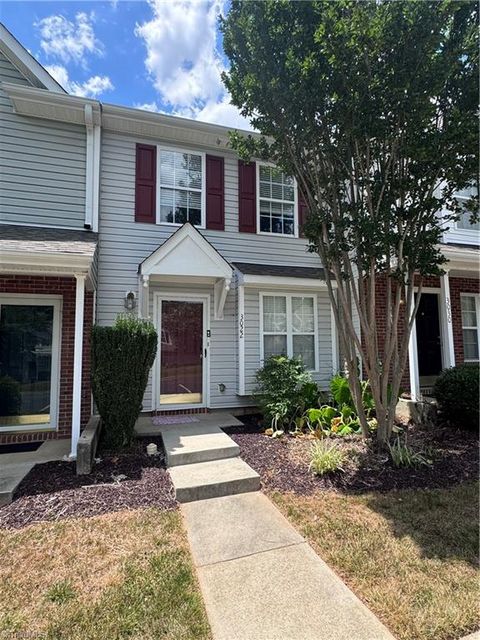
277, 235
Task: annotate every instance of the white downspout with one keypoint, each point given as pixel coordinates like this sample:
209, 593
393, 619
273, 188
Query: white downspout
89, 167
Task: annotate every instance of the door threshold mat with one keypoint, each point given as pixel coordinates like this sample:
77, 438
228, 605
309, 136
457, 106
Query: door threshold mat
176, 419
19, 447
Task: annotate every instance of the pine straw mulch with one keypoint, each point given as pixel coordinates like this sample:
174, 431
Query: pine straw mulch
283, 462
119, 481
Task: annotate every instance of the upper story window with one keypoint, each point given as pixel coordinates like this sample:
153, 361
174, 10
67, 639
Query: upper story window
277, 202
462, 197
181, 187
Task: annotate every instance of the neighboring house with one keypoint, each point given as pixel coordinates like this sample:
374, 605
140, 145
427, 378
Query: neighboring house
208, 247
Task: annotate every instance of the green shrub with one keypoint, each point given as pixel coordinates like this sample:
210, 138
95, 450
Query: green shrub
122, 357
327, 457
10, 396
403, 455
283, 386
457, 394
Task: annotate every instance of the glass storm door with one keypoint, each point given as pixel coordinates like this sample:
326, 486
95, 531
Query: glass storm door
27, 335
181, 353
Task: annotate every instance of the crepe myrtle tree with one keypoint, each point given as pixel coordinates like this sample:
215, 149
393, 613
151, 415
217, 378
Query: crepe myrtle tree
371, 106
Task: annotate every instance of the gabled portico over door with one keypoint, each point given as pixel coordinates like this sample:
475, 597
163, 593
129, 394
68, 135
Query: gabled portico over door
186, 275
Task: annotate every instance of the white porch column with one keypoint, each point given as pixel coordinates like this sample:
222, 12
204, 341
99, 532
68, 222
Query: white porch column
446, 316
77, 361
413, 360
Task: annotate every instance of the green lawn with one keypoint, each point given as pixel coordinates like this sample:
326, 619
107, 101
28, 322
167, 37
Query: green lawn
411, 556
122, 575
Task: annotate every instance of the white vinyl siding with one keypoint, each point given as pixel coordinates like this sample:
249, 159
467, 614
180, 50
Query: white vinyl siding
470, 305
42, 166
124, 244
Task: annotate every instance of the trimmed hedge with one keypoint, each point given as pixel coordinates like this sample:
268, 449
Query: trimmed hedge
122, 356
457, 394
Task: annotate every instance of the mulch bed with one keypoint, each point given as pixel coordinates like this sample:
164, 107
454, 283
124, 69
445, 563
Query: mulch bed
130, 480
283, 463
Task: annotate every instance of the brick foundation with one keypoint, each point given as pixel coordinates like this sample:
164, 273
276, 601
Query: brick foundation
64, 287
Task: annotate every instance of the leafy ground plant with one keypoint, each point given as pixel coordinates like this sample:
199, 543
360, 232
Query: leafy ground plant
326, 458
403, 455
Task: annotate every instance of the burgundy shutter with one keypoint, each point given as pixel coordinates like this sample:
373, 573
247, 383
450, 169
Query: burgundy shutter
145, 183
247, 197
215, 193
302, 213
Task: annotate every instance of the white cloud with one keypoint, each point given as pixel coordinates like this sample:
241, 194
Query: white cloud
148, 106
69, 41
183, 60
91, 88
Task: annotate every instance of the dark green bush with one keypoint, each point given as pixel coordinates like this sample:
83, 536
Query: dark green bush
457, 394
283, 389
122, 357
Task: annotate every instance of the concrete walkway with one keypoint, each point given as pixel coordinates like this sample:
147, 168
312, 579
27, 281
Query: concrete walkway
261, 581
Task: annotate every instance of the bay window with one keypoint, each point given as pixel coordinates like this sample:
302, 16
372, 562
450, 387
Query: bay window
181, 187
277, 201
289, 327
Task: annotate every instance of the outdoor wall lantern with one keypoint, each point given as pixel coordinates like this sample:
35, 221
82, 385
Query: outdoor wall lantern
130, 301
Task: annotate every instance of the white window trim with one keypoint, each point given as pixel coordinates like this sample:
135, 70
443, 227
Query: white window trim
295, 204
56, 303
463, 230
203, 199
289, 332
476, 297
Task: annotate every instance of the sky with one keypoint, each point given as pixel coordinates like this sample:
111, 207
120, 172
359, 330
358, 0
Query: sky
158, 55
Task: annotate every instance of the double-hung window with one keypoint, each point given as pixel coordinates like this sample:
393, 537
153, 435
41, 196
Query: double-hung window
277, 202
289, 327
470, 305
464, 221
181, 187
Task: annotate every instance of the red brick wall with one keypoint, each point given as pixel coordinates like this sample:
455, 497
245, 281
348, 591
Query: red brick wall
65, 287
457, 286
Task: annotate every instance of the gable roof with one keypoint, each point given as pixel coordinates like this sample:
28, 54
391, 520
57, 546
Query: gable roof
186, 253
26, 63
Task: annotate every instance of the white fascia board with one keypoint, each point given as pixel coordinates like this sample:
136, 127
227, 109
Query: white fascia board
281, 282
459, 258
28, 101
68, 263
25, 62
166, 127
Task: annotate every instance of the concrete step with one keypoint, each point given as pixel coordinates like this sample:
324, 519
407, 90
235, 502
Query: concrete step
213, 479
194, 443
10, 478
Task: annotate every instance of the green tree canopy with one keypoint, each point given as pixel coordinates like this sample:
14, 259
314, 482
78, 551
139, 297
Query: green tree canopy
372, 106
